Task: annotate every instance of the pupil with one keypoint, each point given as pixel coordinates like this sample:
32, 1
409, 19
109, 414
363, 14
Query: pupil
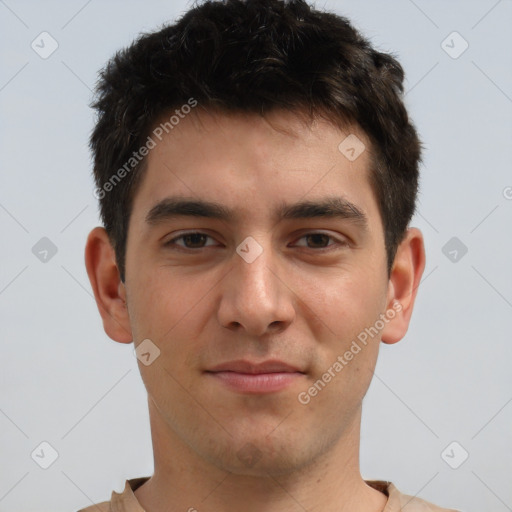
195, 237
316, 235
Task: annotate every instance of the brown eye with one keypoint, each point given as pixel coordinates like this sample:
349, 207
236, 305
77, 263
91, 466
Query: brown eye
192, 240
321, 241
318, 239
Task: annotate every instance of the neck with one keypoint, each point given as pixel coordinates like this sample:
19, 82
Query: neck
183, 480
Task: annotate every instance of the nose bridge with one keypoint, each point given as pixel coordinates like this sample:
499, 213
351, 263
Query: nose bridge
253, 269
253, 295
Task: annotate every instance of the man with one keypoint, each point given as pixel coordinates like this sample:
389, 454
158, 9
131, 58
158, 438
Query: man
257, 173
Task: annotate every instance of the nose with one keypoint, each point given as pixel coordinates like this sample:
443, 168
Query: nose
256, 297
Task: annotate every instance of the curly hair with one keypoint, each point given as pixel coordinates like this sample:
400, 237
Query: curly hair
255, 56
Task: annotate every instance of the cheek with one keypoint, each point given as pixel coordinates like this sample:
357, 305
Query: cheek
173, 311
163, 299
345, 307
344, 303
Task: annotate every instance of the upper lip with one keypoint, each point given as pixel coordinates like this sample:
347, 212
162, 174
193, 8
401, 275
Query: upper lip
242, 366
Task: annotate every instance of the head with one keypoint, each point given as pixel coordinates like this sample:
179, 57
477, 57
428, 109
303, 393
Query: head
294, 126
302, 60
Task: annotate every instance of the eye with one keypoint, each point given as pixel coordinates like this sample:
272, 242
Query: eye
321, 241
197, 240
191, 240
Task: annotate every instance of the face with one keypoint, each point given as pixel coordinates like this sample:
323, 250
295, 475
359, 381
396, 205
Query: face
264, 283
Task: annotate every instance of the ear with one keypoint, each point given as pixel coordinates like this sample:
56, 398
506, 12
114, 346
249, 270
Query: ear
403, 285
109, 290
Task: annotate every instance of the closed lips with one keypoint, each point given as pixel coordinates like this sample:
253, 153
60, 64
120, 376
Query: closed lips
242, 366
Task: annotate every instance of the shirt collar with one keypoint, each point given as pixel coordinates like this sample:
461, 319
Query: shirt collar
126, 501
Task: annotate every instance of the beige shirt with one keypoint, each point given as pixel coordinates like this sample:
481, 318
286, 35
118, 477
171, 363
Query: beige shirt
127, 502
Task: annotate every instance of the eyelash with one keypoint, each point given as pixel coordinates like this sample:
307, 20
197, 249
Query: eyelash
172, 242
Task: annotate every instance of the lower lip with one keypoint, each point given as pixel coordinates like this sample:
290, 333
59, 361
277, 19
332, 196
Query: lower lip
257, 383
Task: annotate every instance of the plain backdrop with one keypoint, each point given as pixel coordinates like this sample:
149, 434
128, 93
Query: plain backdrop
65, 384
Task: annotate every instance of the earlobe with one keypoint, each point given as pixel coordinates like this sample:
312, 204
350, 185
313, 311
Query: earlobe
404, 280
109, 291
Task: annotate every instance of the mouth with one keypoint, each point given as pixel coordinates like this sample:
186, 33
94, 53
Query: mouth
265, 377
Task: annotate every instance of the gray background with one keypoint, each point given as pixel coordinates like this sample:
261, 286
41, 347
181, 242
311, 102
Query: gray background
65, 382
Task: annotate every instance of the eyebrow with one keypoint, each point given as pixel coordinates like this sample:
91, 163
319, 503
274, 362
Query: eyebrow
330, 207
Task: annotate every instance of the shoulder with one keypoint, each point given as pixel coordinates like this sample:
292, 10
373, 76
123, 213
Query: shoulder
104, 506
398, 500
124, 501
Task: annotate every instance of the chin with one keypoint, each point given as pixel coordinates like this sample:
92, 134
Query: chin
263, 457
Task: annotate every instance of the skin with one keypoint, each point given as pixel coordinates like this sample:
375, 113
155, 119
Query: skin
296, 302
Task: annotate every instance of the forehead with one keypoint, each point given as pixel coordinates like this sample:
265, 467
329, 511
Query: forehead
251, 163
